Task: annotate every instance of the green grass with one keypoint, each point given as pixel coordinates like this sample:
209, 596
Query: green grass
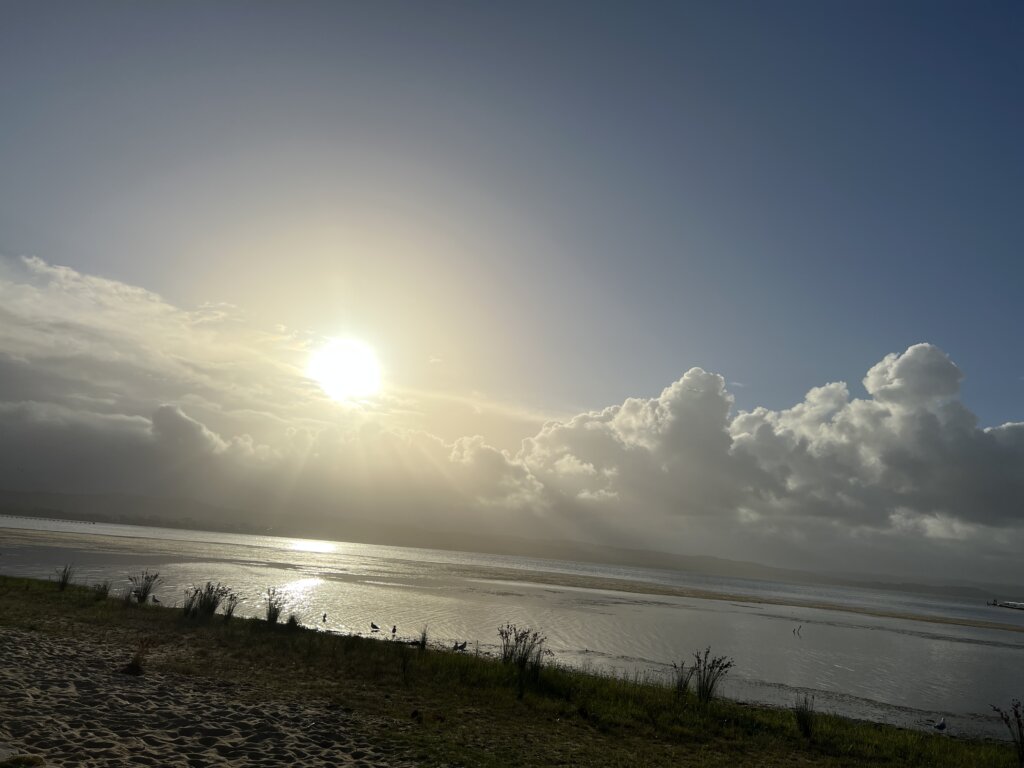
460, 709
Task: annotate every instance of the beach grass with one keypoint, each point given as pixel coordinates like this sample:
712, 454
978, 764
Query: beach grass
439, 707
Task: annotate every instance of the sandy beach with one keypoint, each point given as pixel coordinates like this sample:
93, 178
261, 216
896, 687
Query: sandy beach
68, 702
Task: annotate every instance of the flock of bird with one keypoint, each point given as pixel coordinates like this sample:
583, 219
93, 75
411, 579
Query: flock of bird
374, 627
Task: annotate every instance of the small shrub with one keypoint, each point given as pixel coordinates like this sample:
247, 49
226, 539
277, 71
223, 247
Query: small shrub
101, 591
681, 677
293, 622
1014, 722
64, 577
275, 605
805, 717
143, 585
202, 602
709, 671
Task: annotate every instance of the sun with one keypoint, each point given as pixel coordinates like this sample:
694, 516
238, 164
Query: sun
345, 369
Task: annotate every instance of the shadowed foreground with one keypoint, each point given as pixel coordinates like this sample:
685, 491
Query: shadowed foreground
245, 693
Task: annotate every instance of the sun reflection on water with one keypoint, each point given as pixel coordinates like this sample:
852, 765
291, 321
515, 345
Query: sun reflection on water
301, 585
311, 545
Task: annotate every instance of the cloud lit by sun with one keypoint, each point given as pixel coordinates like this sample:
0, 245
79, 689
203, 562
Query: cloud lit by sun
345, 369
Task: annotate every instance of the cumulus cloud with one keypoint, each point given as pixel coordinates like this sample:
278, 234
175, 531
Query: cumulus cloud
108, 387
921, 376
911, 450
669, 455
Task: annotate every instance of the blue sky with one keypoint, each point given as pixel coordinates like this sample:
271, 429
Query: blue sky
635, 220
782, 192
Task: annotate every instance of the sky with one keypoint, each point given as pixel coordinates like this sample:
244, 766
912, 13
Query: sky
733, 278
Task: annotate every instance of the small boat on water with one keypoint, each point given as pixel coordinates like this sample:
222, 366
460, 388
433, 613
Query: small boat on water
1007, 604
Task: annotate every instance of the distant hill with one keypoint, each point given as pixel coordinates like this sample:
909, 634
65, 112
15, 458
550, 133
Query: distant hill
126, 509
195, 515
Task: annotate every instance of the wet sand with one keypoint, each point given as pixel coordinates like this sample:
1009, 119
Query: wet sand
67, 700
647, 588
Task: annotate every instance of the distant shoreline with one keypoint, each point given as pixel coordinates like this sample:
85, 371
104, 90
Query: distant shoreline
69, 520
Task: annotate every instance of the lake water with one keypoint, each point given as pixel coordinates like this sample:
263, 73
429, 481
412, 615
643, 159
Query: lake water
612, 618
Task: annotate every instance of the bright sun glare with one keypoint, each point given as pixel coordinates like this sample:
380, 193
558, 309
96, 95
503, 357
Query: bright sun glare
346, 369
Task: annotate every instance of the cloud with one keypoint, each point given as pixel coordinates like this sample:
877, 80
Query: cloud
921, 376
911, 449
108, 387
172, 427
663, 456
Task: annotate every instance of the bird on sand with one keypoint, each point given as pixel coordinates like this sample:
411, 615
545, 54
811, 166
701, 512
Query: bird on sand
460, 646
156, 599
325, 618
941, 725
394, 629
374, 627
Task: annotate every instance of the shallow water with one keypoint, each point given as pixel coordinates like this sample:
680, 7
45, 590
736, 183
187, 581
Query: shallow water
895, 670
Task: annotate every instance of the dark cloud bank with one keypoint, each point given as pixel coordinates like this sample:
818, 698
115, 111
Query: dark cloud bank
105, 387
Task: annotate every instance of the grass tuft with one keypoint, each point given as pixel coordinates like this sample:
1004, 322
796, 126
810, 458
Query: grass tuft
681, 677
64, 577
523, 648
709, 671
101, 591
805, 717
231, 602
1013, 719
275, 605
143, 584
201, 603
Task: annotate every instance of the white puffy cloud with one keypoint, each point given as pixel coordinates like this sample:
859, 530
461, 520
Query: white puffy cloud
107, 387
911, 449
921, 376
669, 455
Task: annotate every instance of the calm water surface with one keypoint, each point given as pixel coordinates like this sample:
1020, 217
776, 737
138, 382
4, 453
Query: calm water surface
899, 671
